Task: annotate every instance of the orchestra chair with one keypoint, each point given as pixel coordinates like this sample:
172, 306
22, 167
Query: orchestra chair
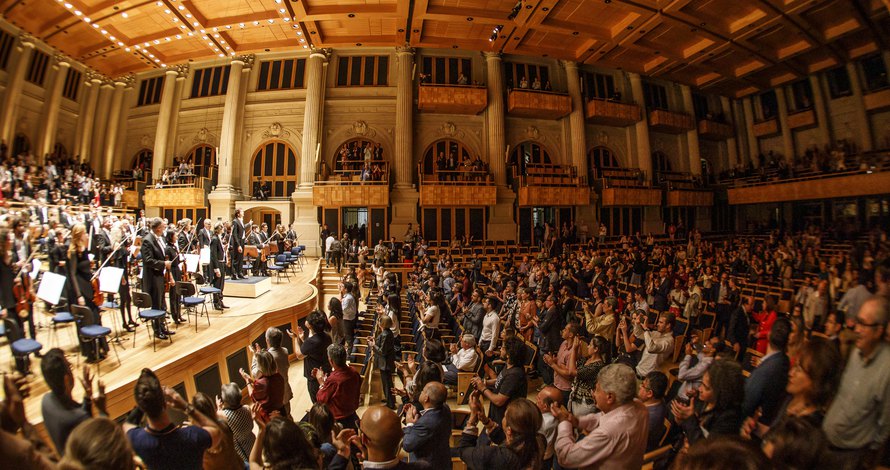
205, 290
21, 347
92, 332
142, 301
189, 300
60, 317
280, 266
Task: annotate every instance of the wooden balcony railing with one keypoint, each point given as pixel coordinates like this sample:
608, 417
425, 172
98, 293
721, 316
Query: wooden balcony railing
767, 128
689, 198
452, 99
461, 187
538, 104
376, 174
613, 113
853, 183
802, 119
662, 120
713, 130
877, 100
618, 196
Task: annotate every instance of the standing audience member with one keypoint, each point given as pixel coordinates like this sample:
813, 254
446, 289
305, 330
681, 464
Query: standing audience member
651, 393
585, 371
281, 444
61, 414
765, 388
428, 432
97, 443
385, 356
722, 389
340, 389
280, 354
511, 383
266, 386
543, 400
378, 440
222, 455
518, 443
658, 345
312, 348
238, 417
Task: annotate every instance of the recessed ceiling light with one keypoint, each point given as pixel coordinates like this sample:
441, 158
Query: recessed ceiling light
241, 25
299, 33
469, 18
181, 7
351, 15
120, 44
305, 46
96, 25
127, 49
188, 15
286, 19
195, 24
256, 23
87, 19
69, 6
271, 20
228, 26
282, 10
222, 55
160, 4
167, 11
104, 32
78, 13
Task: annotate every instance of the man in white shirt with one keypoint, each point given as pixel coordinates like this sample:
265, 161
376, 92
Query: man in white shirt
327, 247
691, 374
463, 359
546, 397
350, 312
658, 345
491, 325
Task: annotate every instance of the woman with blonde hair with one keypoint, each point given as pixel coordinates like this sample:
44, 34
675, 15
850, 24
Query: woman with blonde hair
98, 444
80, 287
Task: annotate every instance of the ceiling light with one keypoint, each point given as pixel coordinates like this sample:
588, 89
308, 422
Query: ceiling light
203, 31
158, 60
228, 26
271, 20
87, 19
157, 41
167, 11
240, 25
188, 15
195, 24
227, 47
210, 43
302, 40
175, 19
152, 56
182, 26
167, 39
96, 25
214, 28
104, 32
147, 44
160, 4
216, 35
125, 15
282, 10
191, 33
222, 55
68, 6
136, 47
178, 36
305, 46
164, 65
232, 53
181, 7
278, 1
127, 49
113, 38
286, 19
299, 33
77, 13
256, 23
119, 43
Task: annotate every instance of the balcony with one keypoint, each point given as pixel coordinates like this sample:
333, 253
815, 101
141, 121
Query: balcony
662, 120
689, 198
457, 188
346, 187
877, 100
551, 185
767, 128
872, 181
613, 113
714, 130
630, 196
802, 119
452, 99
175, 196
538, 104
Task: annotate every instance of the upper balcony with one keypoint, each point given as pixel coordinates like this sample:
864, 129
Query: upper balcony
625, 187
803, 119
452, 99
344, 187
767, 128
715, 130
662, 120
178, 189
685, 190
550, 185
472, 185
877, 100
613, 113
538, 104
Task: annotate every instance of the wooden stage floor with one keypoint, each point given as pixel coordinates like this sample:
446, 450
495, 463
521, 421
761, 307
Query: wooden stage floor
186, 342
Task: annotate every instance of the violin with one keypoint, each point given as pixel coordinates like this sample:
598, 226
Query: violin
24, 295
98, 296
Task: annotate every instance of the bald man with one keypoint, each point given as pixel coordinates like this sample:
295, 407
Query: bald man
378, 442
428, 432
548, 395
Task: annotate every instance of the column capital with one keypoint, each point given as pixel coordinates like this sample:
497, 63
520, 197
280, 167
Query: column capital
405, 50
569, 64
322, 52
246, 60
61, 60
26, 40
94, 77
181, 70
492, 55
128, 80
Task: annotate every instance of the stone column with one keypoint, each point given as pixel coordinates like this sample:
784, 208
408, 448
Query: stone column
162, 132
404, 151
85, 96
819, 106
109, 156
174, 115
494, 117
222, 198
313, 108
732, 150
100, 130
46, 134
787, 136
122, 162
576, 119
691, 136
753, 145
88, 116
641, 129
14, 83
860, 124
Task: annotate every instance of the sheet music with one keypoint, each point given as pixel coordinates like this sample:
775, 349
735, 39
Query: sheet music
110, 279
51, 287
205, 255
192, 262
35, 269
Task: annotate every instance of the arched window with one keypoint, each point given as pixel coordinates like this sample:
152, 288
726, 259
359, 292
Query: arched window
660, 162
59, 151
142, 160
20, 144
444, 148
526, 153
275, 163
600, 158
203, 157
351, 154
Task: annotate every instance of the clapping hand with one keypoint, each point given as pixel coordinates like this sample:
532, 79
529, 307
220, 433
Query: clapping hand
562, 414
344, 440
681, 411
411, 415
174, 399
12, 413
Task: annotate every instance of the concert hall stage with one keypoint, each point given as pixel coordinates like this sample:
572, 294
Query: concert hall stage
251, 288
195, 361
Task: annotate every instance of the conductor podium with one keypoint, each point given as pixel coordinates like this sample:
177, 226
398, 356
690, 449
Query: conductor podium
251, 288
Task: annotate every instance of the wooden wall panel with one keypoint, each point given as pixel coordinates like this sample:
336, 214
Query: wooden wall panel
534, 196
613, 113
821, 188
877, 100
802, 119
668, 121
714, 130
631, 197
372, 195
452, 99
175, 197
766, 128
538, 104
432, 195
680, 198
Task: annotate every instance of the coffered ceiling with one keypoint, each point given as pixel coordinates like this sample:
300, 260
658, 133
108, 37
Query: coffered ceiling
729, 47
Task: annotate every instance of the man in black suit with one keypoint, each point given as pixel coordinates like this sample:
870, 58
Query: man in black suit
662, 290
204, 237
380, 435
154, 263
765, 388
237, 246
739, 325
551, 328
217, 266
102, 241
427, 435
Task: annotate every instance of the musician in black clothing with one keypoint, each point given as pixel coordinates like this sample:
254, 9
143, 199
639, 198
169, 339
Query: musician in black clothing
258, 239
7, 298
154, 263
58, 253
217, 266
172, 255
80, 288
122, 237
204, 237
236, 246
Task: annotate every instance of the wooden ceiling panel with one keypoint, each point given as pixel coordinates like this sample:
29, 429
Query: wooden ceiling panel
830, 19
726, 18
582, 15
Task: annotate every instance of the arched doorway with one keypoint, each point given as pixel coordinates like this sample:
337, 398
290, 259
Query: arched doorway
600, 158
526, 154
141, 164
59, 151
352, 154
449, 151
274, 165
20, 144
203, 157
660, 164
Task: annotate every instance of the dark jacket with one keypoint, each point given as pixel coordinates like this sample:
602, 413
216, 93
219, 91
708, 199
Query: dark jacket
551, 329
487, 457
765, 388
726, 422
385, 351
428, 438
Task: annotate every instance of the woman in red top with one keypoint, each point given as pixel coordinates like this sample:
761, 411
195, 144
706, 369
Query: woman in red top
267, 388
765, 320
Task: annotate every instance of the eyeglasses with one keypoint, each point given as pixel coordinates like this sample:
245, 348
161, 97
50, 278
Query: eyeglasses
863, 323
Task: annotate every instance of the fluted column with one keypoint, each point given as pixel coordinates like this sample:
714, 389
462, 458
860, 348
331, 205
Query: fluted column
860, 115
578, 145
312, 111
50, 119
641, 129
178, 91
404, 151
113, 128
78, 132
787, 136
691, 136
100, 123
162, 132
14, 83
122, 161
494, 117
753, 145
821, 109
227, 139
732, 150
88, 116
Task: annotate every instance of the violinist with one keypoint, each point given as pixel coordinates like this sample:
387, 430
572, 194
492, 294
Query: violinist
257, 239
174, 275
102, 240
204, 237
122, 237
154, 265
80, 287
59, 252
184, 242
21, 245
217, 265
290, 238
7, 297
279, 237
